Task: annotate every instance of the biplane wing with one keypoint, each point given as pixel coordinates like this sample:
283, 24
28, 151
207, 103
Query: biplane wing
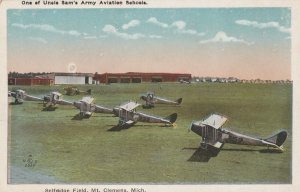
84, 100
129, 106
214, 120
87, 100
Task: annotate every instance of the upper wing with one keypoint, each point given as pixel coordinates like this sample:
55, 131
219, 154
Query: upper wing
214, 120
88, 100
129, 105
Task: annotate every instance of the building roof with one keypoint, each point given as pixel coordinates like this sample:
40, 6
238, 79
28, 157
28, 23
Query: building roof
52, 75
74, 74
144, 73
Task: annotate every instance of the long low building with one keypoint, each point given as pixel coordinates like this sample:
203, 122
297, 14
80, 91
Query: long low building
30, 81
136, 77
73, 78
70, 78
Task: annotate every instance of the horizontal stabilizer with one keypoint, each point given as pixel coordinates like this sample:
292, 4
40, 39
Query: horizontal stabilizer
218, 145
172, 118
277, 139
129, 122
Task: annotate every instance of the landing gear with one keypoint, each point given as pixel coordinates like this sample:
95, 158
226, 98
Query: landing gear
148, 106
203, 145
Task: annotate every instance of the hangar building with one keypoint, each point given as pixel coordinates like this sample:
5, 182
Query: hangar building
136, 77
70, 78
73, 78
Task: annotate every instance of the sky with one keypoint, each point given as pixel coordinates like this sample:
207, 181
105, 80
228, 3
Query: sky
247, 43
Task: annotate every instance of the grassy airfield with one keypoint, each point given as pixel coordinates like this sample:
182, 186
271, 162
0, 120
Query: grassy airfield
84, 151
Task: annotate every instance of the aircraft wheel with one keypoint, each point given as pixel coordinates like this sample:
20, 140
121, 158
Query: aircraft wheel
203, 145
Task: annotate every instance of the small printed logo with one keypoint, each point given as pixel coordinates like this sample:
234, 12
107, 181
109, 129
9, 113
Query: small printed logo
29, 161
72, 67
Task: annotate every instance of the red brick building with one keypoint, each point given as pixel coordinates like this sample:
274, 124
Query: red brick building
136, 77
30, 81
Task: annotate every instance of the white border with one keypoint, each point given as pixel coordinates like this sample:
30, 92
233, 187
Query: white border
295, 9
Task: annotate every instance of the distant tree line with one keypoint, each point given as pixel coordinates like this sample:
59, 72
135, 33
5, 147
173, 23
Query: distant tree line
24, 75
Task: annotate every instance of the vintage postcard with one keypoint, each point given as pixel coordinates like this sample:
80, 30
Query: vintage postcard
136, 96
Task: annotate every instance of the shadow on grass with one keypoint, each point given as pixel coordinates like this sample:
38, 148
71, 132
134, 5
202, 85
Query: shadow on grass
202, 155
157, 105
79, 117
258, 150
13, 103
49, 108
105, 115
146, 125
270, 151
167, 105
120, 127
126, 126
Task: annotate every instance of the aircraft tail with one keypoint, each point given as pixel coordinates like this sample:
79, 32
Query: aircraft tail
277, 139
178, 101
172, 118
89, 91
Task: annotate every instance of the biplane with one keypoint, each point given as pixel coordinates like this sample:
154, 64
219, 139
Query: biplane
70, 90
150, 99
128, 116
20, 96
54, 98
214, 136
87, 107
184, 81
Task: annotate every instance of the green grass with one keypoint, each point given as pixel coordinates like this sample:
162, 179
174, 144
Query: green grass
75, 151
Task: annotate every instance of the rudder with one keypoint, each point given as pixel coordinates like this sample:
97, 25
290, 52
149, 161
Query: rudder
277, 139
172, 118
178, 101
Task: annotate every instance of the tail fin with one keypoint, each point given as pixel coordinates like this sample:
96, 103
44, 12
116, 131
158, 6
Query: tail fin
179, 101
277, 139
172, 118
89, 91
